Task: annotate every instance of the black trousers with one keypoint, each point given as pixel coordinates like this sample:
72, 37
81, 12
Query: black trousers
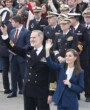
31, 103
85, 67
5, 70
17, 73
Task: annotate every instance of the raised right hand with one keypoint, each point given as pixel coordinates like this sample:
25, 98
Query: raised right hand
48, 44
4, 30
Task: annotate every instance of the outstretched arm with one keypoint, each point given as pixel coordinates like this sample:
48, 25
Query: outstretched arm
50, 63
10, 45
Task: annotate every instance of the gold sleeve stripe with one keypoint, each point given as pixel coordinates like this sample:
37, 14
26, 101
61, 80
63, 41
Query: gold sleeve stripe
53, 86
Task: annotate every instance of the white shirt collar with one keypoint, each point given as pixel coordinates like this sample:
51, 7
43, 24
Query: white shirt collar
66, 33
88, 25
76, 26
54, 26
19, 29
39, 50
38, 19
69, 72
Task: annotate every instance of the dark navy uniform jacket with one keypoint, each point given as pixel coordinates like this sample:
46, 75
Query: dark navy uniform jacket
83, 37
36, 82
64, 42
33, 25
80, 8
50, 33
89, 42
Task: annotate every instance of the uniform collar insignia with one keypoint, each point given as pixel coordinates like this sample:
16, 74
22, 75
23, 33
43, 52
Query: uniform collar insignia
29, 56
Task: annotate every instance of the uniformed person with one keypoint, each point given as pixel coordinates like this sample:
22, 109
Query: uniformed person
72, 5
53, 29
83, 39
38, 23
66, 40
50, 32
80, 7
86, 15
64, 9
36, 82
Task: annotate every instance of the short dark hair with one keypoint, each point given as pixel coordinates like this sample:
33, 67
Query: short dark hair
17, 19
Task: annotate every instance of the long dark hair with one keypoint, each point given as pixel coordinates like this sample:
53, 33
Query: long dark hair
77, 68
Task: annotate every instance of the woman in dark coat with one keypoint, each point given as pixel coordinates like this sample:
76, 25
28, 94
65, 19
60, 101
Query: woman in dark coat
70, 79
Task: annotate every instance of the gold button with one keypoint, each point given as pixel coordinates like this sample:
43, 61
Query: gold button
36, 75
28, 80
30, 67
29, 73
35, 81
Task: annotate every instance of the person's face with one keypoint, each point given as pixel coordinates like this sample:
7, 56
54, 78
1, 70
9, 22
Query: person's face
51, 21
35, 40
71, 2
87, 19
14, 24
37, 15
70, 58
73, 21
65, 26
19, 13
9, 3
44, 10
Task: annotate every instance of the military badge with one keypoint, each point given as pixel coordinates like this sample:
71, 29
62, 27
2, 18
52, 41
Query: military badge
42, 25
43, 59
70, 38
29, 56
48, 32
59, 40
32, 25
79, 33
57, 33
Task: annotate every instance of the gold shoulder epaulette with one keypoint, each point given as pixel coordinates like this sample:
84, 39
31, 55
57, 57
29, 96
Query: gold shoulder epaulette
80, 47
56, 52
53, 86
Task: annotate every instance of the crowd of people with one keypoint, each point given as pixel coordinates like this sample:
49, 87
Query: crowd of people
45, 45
